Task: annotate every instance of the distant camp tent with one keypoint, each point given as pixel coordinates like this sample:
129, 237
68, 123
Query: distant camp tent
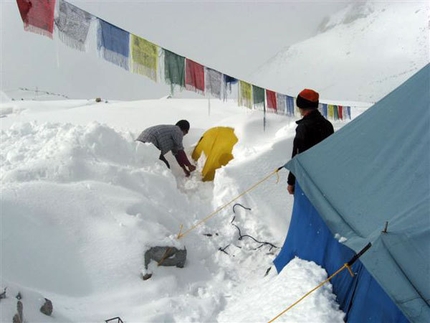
370, 182
217, 145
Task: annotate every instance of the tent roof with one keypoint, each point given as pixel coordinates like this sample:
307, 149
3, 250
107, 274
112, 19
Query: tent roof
373, 171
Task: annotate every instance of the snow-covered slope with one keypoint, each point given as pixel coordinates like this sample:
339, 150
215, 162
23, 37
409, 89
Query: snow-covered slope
361, 54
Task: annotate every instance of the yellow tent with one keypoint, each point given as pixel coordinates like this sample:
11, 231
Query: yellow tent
217, 144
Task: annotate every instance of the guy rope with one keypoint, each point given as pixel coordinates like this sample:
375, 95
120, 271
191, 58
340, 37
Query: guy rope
182, 234
346, 265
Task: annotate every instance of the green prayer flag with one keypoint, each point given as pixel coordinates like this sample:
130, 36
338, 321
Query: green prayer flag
174, 69
258, 95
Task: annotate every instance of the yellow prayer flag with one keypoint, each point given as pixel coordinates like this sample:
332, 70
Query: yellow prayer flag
144, 57
330, 111
245, 94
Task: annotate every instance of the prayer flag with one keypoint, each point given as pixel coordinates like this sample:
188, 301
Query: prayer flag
194, 76
37, 16
245, 94
324, 110
114, 44
144, 57
281, 101
339, 112
331, 111
213, 82
258, 96
73, 25
335, 114
290, 106
348, 112
228, 82
174, 69
271, 100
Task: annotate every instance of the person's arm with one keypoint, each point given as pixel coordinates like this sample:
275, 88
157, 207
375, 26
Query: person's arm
182, 159
298, 147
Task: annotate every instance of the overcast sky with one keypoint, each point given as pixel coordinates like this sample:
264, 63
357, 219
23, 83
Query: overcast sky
233, 37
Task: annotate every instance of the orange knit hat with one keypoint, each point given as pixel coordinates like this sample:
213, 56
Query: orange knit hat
308, 99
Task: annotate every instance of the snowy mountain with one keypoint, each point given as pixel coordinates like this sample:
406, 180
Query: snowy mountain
361, 53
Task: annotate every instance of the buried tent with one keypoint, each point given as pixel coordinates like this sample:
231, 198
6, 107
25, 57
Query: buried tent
371, 175
216, 144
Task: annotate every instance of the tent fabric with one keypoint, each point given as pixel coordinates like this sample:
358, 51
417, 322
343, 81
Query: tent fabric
217, 145
310, 238
375, 171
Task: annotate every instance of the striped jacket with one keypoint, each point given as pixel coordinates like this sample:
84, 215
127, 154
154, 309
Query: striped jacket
165, 137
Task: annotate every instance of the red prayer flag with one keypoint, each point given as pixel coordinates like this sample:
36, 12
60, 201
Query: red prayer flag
194, 76
37, 16
339, 112
271, 100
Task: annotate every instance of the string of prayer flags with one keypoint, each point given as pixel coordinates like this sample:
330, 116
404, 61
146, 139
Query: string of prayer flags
134, 53
290, 106
271, 100
114, 44
144, 57
174, 67
245, 94
73, 25
37, 16
228, 82
194, 76
258, 96
213, 82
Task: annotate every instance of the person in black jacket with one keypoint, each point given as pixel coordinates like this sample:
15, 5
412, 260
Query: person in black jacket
311, 129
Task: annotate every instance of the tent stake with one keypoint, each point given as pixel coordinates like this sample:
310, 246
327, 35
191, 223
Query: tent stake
386, 227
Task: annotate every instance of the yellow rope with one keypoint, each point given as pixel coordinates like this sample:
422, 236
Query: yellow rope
181, 235
311, 291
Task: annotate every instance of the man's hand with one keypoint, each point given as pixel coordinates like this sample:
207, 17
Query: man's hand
290, 189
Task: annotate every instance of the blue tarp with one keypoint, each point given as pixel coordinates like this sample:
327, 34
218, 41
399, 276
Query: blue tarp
373, 171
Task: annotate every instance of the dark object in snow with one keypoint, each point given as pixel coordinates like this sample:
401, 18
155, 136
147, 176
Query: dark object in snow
19, 316
166, 256
3, 295
118, 320
47, 308
146, 276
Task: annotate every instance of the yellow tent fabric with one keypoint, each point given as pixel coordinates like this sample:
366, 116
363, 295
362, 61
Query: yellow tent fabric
217, 144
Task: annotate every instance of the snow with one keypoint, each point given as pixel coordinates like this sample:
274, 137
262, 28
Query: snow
82, 202
391, 38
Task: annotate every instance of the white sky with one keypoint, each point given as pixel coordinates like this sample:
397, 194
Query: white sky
233, 37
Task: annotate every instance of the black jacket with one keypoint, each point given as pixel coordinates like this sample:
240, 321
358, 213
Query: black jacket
311, 129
